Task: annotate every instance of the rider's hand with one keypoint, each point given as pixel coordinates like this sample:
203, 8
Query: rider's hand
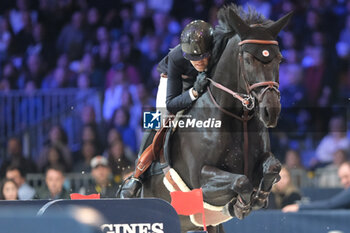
201, 83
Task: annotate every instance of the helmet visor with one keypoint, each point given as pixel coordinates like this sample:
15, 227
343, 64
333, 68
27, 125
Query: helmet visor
195, 57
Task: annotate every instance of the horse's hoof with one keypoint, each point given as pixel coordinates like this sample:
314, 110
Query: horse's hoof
260, 200
241, 210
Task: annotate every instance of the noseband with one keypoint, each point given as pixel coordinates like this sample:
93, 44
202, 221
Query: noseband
247, 100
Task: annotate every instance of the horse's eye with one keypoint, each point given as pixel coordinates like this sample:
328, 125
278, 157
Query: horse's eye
248, 60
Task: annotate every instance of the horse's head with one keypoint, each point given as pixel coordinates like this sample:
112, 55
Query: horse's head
259, 57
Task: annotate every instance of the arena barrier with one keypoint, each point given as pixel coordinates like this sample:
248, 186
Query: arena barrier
148, 216
110, 215
273, 221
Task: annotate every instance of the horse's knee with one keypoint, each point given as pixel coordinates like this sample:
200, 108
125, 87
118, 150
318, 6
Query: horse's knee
272, 165
242, 185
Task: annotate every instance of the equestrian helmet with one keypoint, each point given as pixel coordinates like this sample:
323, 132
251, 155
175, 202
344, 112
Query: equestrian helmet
197, 40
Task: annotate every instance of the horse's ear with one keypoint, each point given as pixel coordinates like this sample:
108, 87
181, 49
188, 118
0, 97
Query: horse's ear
237, 23
276, 27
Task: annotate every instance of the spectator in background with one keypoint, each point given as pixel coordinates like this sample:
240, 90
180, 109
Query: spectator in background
93, 19
283, 192
17, 14
131, 57
88, 115
117, 67
314, 68
24, 37
87, 152
87, 66
58, 78
10, 73
335, 139
5, 86
292, 91
41, 45
343, 45
34, 70
113, 94
311, 24
9, 190
101, 174
86, 97
134, 108
339, 201
120, 159
15, 157
343, 51
5, 37
53, 188
102, 54
31, 107
327, 176
121, 121
112, 135
90, 134
137, 31
151, 56
25, 191
59, 139
54, 157
295, 168
71, 38
91, 115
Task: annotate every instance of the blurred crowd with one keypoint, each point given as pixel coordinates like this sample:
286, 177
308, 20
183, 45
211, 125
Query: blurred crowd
114, 47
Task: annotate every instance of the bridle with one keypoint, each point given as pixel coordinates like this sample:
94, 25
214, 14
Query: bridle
247, 100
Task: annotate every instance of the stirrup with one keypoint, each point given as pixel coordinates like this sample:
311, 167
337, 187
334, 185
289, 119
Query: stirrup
130, 189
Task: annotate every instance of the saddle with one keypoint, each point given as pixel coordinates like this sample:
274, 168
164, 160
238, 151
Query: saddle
154, 152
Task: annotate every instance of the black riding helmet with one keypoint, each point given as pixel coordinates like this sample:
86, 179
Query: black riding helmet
197, 40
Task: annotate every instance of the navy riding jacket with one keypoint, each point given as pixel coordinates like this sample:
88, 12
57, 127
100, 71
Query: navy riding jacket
181, 77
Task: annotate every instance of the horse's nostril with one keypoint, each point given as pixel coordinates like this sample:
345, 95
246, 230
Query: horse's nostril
266, 113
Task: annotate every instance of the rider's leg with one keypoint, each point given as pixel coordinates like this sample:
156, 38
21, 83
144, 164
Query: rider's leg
132, 187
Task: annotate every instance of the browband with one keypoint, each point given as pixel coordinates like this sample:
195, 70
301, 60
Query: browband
258, 42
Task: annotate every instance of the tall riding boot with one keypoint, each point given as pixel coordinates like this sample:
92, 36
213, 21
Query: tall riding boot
132, 187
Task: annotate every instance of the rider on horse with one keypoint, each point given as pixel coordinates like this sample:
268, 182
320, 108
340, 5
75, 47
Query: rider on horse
178, 70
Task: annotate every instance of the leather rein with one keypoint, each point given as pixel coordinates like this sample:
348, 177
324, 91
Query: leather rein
247, 100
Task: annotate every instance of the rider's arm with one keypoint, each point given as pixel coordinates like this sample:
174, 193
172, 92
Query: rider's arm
177, 100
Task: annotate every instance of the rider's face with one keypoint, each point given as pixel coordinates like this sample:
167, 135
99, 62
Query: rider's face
200, 65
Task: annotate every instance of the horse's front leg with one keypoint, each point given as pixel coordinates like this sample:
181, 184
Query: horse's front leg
222, 188
271, 169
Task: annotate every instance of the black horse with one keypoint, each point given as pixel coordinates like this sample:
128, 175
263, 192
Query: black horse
232, 164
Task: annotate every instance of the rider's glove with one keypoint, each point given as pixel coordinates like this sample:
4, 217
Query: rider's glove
201, 83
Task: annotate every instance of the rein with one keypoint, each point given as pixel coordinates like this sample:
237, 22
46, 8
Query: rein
247, 100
